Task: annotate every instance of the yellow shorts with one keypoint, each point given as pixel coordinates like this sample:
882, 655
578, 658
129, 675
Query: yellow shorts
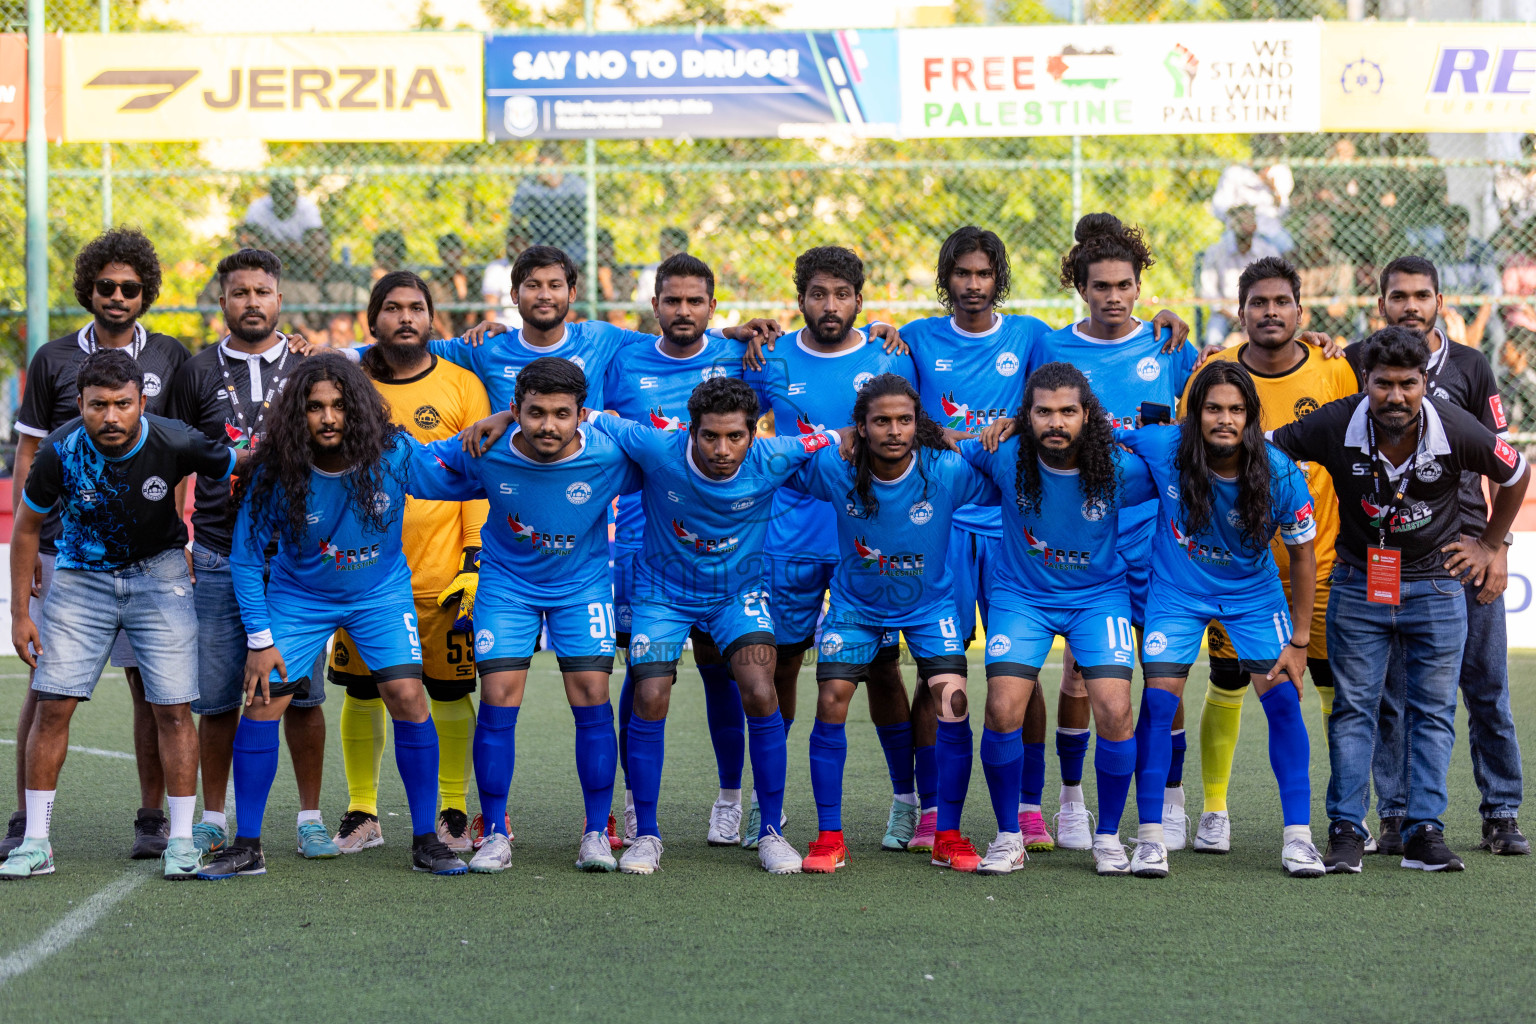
447, 657
1317, 645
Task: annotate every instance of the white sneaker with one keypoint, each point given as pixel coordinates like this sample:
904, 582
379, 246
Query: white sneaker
596, 853
1150, 860
1214, 834
643, 856
1175, 821
1370, 841
631, 821
1005, 855
725, 823
1109, 856
1074, 827
1301, 860
493, 857
777, 856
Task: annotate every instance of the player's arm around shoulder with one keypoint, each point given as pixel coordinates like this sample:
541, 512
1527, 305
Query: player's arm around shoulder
966, 482
443, 471
199, 454
1134, 485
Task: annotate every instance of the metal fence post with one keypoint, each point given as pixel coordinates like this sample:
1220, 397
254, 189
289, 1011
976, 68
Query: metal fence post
589, 14
1077, 179
106, 147
37, 182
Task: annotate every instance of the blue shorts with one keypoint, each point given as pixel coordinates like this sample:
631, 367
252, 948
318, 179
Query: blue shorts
1258, 624
624, 591
799, 588
1022, 632
383, 629
971, 556
150, 601
1136, 549
507, 633
848, 644
661, 629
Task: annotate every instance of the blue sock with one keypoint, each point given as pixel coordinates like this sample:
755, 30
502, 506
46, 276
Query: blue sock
829, 751
787, 723
1176, 763
896, 741
925, 762
954, 750
770, 763
416, 760
626, 708
1002, 762
1114, 762
1154, 751
596, 752
1032, 781
647, 751
727, 723
495, 756
1071, 750
255, 766
1289, 753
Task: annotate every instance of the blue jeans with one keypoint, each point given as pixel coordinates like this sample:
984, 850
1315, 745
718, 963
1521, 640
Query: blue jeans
1490, 726
1430, 625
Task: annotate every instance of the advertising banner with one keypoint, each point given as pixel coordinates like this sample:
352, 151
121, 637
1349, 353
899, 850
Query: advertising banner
13, 87
1158, 79
1429, 78
376, 87
695, 85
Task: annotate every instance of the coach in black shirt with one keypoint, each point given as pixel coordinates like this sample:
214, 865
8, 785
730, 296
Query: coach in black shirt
117, 278
1460, 375
1396, 458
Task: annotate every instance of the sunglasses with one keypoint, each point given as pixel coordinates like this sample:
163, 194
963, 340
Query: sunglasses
130, 289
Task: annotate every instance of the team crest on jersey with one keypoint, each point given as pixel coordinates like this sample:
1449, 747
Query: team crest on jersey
1155, 644
154, 489
1442, 394
581, 364
343, 656
484, 641
1095, 510
1149, 369
661, 421
639, 645
831, 643
1234, 519
152, 384
1007, 364
427, 417
999, 645
1430, 471
862, 379
742, 504
903, 563
381, 502
702, 545
579, 493
711, 372
920, 513
1304, 406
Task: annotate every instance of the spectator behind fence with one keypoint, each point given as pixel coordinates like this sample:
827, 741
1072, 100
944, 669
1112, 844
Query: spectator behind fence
551, 207
615, 283
1468, 266
1224, 263
389, 253
673, 242
1327, 278
1267, 190
496, 284
320, 282
280, 219
453, 283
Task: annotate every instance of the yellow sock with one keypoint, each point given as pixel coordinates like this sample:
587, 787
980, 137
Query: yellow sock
1325, 693
455, 721
362, 750
1219, 724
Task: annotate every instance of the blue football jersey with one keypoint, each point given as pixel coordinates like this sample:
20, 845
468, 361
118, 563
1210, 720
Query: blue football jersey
1215, 560
968, 380
590, 344
809, 391
339, 560
892, 560
646, 385
546, 537
1067, 553
703, 537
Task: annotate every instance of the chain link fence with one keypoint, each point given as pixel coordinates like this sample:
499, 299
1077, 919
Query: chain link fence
1339, 205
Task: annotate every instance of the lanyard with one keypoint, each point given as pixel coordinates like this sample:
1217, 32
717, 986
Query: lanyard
251, 431
87, 339
1408, 470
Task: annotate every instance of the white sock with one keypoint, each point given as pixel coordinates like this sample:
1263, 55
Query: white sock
308, 816
1174, 795
1294, 832
181, 810
754, 794
1029, 808
39, 812
929, 810
1072, 795
1150, 832
907, 798
629, 799
215, 818
729, 796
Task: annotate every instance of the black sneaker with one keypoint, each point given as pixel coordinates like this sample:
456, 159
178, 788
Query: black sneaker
1345, 848
150, 831
242, 856
15, 832
1500, 835
429, 853
1390, 842
1426, 851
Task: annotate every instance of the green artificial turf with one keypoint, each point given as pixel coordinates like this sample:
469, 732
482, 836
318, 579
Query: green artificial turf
712, 938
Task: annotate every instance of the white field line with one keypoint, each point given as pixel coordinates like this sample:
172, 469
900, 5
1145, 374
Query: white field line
118, 754
73, 925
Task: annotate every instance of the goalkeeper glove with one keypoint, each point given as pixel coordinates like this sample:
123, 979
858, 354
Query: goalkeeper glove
463, 589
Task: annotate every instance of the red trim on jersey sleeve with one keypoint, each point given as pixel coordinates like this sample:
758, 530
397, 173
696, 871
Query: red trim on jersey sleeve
816, 442
1496, 405
1505, 453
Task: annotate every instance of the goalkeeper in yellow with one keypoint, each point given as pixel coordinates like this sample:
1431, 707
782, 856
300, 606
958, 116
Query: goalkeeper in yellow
432, 399
1293, 378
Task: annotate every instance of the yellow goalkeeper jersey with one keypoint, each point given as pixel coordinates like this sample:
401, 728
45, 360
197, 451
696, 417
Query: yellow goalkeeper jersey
433, 406
1311, 384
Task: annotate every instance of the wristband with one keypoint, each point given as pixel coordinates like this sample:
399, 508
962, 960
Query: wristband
1299, 647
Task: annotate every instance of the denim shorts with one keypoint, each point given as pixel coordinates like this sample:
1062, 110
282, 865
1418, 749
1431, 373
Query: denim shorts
122, 650
150, 601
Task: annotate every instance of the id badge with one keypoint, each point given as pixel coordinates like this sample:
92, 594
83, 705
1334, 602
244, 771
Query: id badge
1384, 575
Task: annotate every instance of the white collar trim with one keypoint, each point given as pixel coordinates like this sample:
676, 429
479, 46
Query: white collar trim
269, 355
1435, 441
1077, 331
800, 343
911, 465
997, 325
705, 476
